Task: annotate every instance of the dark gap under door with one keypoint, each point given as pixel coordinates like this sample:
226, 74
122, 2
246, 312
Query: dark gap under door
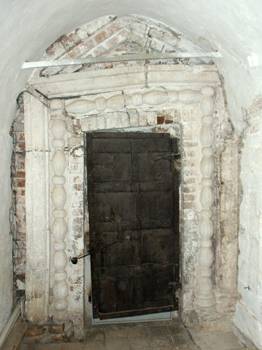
133, 196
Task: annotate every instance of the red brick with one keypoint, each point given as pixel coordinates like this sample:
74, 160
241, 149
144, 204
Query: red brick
100, 37
20, 174
160, 119
69, 41
20, 183
20, 147
34, 330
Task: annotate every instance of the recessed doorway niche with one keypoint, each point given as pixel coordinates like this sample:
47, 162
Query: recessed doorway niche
180, 98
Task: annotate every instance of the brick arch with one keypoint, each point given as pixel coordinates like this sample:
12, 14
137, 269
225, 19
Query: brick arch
112, 35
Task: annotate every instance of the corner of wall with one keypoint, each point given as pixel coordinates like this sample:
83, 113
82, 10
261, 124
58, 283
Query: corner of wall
6, 266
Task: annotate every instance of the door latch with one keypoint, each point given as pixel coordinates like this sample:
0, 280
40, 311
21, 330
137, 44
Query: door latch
74, 259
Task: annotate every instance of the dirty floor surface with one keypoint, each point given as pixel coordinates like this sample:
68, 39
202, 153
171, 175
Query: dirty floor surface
166, 335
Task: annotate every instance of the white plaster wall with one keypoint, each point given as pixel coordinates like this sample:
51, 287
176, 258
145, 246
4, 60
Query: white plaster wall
27, 28
248, 317
6, 280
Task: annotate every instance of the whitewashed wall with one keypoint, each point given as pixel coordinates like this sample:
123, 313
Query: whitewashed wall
6, 266
248, 317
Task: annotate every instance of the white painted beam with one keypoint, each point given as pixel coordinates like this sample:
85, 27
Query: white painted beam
106, 59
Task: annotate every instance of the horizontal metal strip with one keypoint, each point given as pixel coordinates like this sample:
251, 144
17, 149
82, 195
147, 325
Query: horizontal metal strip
107, 59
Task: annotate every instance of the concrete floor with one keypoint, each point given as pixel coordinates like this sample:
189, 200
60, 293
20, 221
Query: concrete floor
165, 335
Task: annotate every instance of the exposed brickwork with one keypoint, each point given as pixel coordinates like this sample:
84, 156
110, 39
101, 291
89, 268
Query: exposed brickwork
49, 333
111, 35
18, 208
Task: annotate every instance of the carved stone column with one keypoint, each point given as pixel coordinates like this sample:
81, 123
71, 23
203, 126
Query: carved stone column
205, 296
59, 226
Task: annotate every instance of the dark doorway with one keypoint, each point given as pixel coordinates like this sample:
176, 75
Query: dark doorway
133, 200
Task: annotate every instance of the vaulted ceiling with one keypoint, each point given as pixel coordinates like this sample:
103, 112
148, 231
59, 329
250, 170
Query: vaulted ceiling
27, 28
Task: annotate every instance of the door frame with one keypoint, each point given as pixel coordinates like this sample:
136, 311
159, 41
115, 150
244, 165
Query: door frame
128, 97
